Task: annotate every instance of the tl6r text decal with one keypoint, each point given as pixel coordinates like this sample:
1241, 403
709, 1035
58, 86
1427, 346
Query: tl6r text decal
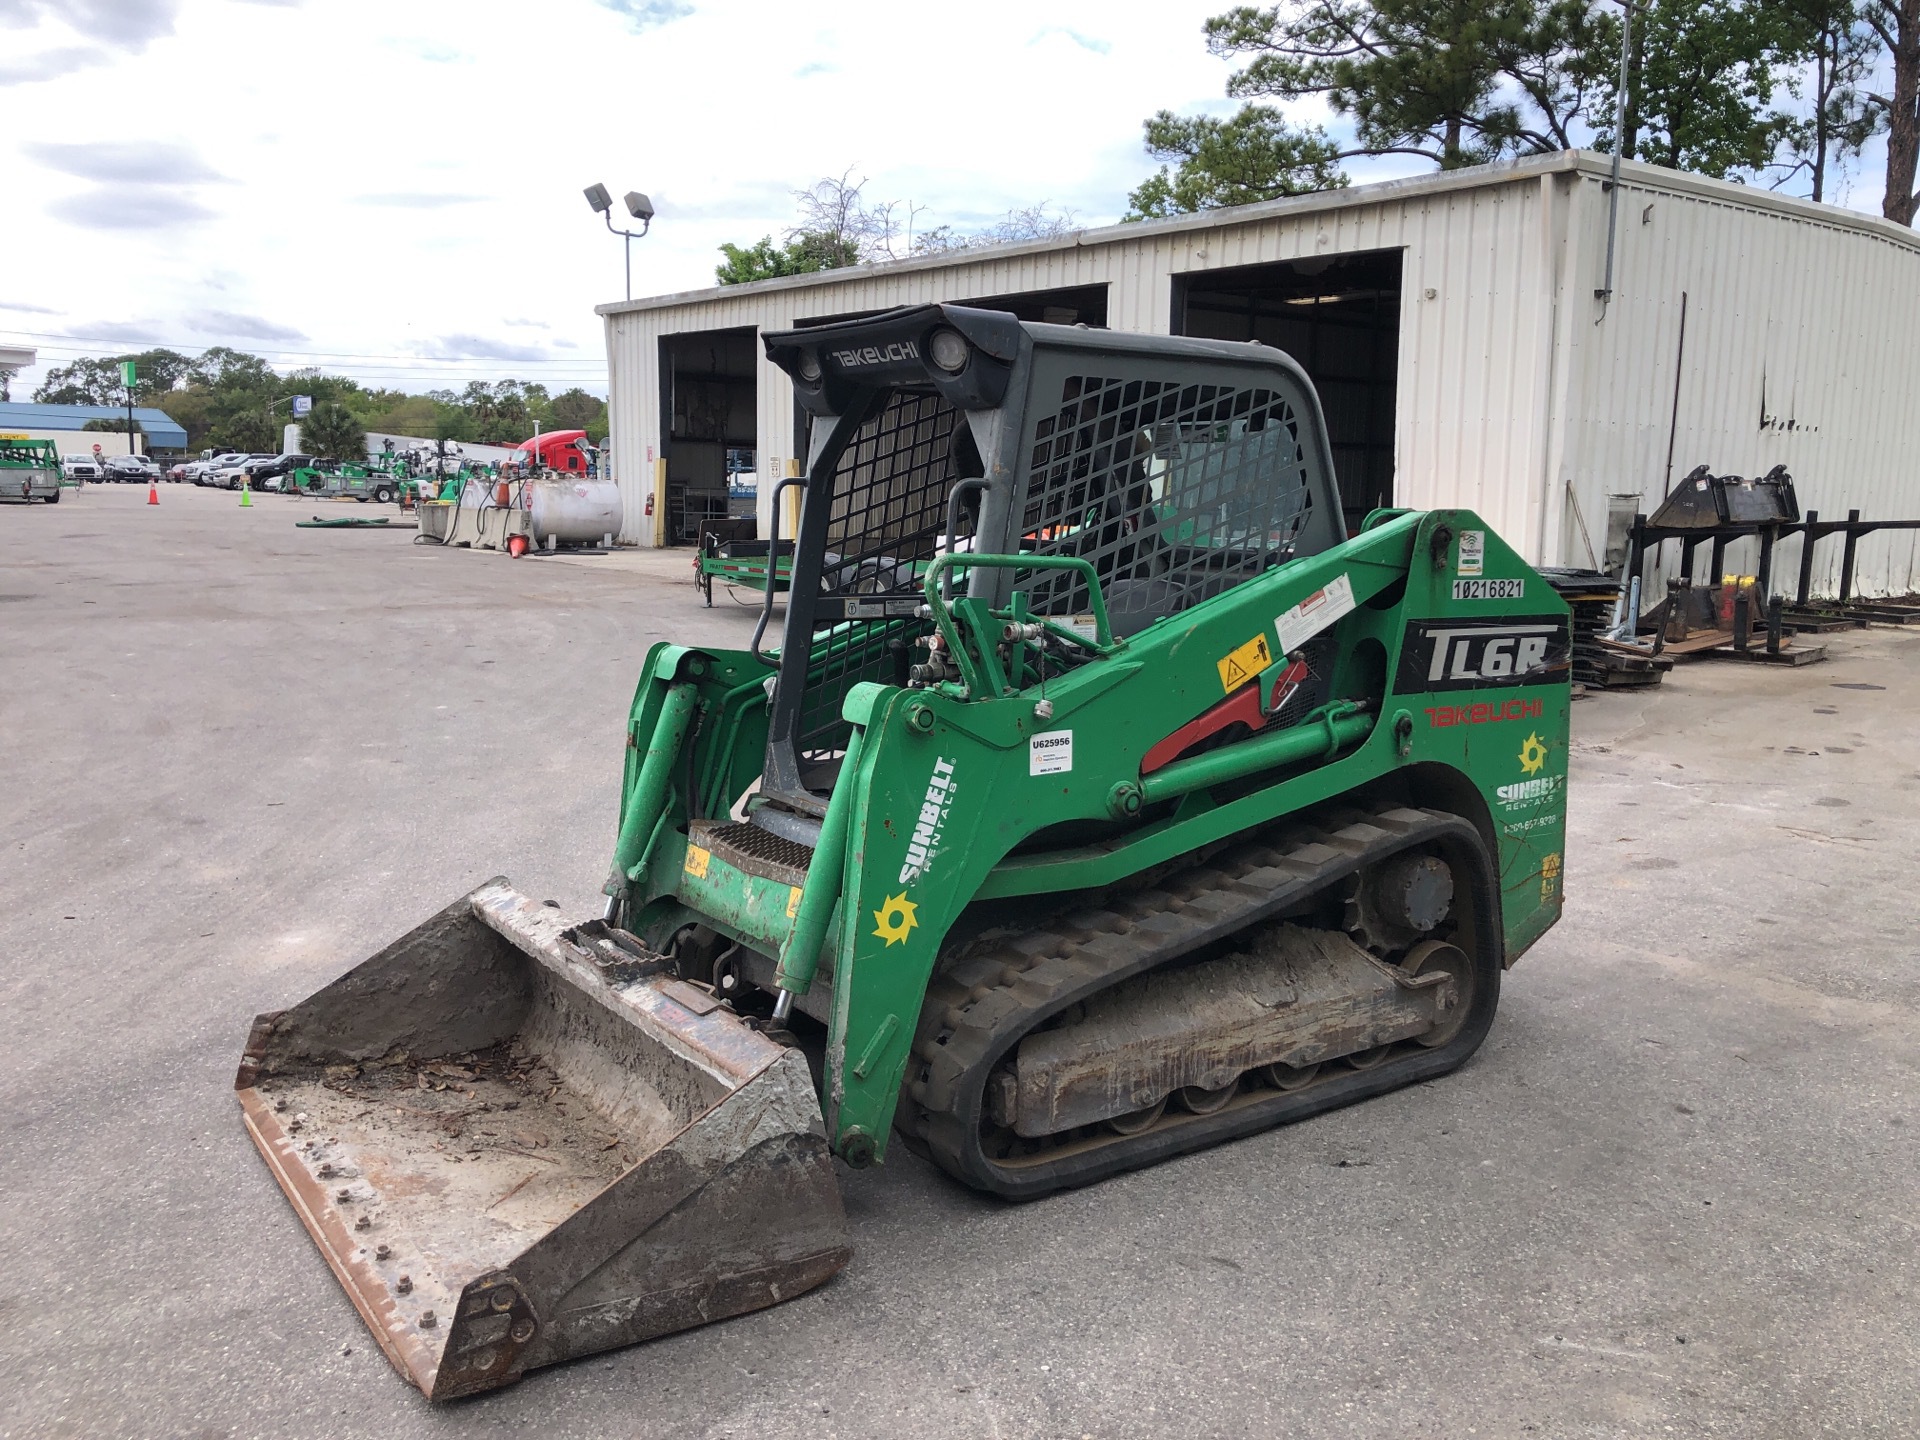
1482, 654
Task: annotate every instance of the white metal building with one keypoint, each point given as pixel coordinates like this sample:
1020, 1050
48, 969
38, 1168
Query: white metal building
1452, 325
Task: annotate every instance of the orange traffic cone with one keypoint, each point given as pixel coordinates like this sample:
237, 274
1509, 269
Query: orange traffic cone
153, 493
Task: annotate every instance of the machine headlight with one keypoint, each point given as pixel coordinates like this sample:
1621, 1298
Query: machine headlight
949, 350
809, 366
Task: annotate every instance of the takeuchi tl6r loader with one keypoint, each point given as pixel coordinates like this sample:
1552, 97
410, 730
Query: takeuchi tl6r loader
1104, 800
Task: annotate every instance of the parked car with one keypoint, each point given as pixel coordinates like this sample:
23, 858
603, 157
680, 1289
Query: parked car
267, 475
79, 467
177, 472
131, 469
229, 477
202, 471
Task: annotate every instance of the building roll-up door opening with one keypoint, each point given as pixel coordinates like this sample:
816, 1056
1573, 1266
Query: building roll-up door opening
708, 413
1339, 316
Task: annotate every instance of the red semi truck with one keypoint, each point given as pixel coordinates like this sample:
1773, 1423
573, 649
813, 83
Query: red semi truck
565, 451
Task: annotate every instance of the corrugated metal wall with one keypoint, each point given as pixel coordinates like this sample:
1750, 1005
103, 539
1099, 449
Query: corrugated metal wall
1802, 348
1498, 338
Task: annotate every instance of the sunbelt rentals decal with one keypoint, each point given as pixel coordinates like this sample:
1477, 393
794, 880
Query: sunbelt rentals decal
895, 919
924, 843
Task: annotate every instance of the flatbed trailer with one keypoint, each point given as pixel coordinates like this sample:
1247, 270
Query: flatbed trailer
744, 564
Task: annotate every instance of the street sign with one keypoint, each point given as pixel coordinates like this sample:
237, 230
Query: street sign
301, 405
126, 373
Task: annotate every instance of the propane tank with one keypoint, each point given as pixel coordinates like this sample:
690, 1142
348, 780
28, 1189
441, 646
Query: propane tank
572, 509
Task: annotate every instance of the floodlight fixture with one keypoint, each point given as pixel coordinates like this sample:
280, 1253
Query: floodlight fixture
638, 205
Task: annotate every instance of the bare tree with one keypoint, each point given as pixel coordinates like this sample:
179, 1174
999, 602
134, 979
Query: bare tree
839, 226
1031, 222
835, 215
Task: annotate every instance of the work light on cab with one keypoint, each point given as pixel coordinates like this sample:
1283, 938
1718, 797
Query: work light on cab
949, 350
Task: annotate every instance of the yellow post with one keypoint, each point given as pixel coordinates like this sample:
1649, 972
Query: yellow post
660, 501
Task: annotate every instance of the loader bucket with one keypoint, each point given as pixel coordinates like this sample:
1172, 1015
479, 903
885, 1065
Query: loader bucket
517, 1141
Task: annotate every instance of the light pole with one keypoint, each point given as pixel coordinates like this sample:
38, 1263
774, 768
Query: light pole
638, 206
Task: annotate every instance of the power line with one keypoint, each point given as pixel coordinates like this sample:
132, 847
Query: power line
304, 354
426, 373
587, 374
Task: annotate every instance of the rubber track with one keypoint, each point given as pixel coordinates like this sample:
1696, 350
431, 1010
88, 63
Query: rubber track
997, 988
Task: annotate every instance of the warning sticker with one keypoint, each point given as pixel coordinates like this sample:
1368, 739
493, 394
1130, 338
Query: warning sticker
1245, 664
1050, 753
1314, 614
697, 859
793, 901
1473, 552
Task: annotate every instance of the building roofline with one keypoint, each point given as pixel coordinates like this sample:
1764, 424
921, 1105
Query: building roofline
34, 414
1590, 163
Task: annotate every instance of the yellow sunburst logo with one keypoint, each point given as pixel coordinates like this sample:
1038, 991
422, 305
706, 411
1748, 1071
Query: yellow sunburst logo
895, 919
1533, 755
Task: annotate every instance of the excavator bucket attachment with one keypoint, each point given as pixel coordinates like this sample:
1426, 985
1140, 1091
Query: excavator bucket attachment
517, 1141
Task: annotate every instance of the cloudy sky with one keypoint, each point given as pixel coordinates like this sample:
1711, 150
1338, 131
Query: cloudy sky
391, 188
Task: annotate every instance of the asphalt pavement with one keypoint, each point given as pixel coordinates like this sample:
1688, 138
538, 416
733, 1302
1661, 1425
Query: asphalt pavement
1672, 1195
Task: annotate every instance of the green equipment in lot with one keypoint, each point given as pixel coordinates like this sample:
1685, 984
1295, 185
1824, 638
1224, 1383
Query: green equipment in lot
1106, 800
29, 469
349, 482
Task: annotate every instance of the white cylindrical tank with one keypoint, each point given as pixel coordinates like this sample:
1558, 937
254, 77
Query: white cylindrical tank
572, 509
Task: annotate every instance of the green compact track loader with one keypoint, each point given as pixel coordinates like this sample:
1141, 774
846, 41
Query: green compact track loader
1105, 799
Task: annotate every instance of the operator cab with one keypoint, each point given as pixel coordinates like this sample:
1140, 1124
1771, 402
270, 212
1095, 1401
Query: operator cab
1176, 468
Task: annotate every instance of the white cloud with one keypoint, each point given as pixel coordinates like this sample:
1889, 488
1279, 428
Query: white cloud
1091, 44
416, 200
138, 208
482, 347
29, 69
136, 162
124, 24
130, 332
226, 326
646, 14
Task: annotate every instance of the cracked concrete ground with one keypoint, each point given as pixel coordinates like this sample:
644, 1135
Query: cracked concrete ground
1672, 1195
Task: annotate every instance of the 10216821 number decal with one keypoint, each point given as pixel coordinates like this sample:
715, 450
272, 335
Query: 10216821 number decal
1489, 589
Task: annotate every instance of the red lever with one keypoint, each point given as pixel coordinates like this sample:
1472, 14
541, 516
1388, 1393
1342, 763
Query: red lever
1243, 707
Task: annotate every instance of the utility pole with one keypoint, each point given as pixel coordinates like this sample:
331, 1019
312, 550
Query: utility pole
126, 376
